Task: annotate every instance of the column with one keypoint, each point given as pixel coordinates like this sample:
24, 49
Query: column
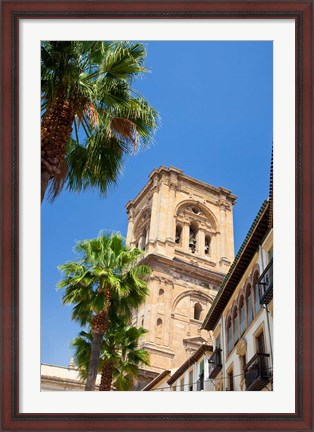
185, 236
222, 212
147, 235
163, 209
170, 225
130, 234
154, 214
200, 245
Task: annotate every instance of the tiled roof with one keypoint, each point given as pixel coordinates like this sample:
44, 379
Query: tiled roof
246, 252
185, 366
156, 380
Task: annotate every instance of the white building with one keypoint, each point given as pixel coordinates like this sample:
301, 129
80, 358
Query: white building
61, 378
241, 317
192, 374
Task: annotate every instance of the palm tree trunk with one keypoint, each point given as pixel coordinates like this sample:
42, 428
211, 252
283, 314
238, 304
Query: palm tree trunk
106, 375
93, 362
99, 327
56, 129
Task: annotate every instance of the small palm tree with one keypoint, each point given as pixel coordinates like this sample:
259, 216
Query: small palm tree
105, 282
91, 116
120, 357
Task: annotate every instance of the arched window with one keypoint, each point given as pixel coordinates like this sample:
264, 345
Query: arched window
235, 326
161, 292
242, 315
159, 328
249, 304
256, 292
192, 238
142, 240
207, 245
229, 335
178, 234
197, 311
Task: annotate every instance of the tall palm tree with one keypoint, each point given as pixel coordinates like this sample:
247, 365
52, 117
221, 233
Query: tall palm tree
105, 281
120, 357
91, 116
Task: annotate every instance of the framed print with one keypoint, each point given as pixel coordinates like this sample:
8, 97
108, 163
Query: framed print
284, 31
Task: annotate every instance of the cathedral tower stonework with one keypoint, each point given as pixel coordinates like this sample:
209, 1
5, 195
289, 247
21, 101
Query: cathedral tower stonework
185, 227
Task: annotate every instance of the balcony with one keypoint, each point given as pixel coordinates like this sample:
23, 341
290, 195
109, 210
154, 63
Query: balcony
265, 284
214, 363
256, 372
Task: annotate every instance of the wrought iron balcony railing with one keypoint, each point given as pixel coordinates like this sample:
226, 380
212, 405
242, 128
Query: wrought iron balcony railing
265, 284
256, 372
214, 363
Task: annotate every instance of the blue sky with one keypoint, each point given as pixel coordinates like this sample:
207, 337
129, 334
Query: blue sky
215, 103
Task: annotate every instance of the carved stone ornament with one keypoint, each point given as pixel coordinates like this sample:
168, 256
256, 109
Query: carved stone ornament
241, 347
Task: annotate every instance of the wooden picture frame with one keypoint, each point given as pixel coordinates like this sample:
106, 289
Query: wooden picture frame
12, 12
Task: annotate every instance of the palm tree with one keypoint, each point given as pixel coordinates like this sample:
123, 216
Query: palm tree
91, 116
106, 281
120, 357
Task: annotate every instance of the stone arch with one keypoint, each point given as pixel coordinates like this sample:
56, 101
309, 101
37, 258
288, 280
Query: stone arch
190, 204
234, 305
141, 227
191, 293
256, 269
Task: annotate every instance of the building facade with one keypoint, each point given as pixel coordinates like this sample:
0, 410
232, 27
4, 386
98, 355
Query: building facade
241, 317
192, 375
185, 228
62, 378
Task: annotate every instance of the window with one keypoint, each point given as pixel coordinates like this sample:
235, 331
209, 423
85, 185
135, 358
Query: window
159, 328
191, 380
174, 388
161, 292
260, 349
242, 315
182, 384
207, 245
142, 240
192, 237
260, 345
230, 380
235, 326
229, 336
200, 381
217, 342
249, 305
256, 292
197, 311
178, 234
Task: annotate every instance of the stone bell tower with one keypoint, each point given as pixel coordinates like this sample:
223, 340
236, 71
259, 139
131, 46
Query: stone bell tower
185, 227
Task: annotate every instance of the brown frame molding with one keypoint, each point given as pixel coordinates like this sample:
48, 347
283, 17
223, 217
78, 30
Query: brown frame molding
12, 12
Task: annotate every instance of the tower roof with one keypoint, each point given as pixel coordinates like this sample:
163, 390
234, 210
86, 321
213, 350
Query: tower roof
176, 172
